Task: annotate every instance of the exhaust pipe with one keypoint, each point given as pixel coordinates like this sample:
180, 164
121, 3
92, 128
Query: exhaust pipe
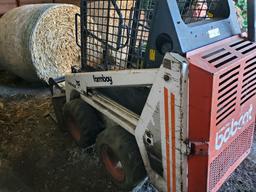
251, 16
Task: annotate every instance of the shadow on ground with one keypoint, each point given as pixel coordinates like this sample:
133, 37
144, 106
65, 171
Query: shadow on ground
34, 152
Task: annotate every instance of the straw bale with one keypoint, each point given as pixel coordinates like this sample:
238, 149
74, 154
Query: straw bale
53, 47
38, 41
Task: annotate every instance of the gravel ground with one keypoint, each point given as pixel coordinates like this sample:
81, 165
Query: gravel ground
36, 156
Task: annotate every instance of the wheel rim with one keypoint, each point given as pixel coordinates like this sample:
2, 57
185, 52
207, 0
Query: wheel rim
74, 129
112, 164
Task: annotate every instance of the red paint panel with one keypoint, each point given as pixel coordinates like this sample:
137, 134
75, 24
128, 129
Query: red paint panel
200, 99
222, 101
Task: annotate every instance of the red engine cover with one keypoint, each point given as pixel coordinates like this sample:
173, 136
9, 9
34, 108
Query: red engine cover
222, 89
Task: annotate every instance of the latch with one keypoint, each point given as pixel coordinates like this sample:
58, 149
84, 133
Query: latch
199, 148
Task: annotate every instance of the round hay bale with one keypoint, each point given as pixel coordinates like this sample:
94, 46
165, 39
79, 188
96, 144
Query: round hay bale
38, 41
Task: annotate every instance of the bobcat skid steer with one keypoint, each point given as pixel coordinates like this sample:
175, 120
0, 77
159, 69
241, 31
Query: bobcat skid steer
166, 89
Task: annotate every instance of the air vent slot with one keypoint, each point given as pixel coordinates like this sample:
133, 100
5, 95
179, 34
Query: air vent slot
227, 94
244, 46
250, 65
249, 80
228, 72
225, 62
237, 43
250, 71
227, 115
229, 78
229, 106
252, 59
249, 50
228, 85
247, 97
248, 90
213, 53
226, 106
219, 57
227, 101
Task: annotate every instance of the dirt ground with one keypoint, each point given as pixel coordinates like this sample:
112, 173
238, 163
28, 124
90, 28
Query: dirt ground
36, 156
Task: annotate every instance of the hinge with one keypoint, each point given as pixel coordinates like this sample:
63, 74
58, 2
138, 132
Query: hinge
199, 148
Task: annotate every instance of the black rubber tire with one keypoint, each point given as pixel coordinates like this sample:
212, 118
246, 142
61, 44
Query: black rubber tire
86, 120
58, 103
125, 148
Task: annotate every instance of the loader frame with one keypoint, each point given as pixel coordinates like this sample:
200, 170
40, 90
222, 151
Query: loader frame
165, 112
176, 127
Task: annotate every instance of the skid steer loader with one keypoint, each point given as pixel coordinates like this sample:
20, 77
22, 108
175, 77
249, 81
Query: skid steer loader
166, 89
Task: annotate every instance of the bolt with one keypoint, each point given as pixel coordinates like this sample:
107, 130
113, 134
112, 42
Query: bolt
166, 77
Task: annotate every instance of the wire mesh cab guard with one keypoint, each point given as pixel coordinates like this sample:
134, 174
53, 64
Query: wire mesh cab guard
121, 34
115, 33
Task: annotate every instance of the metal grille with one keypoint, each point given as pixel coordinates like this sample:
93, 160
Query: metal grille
227, 93
228, 157
243, 46
219, 57
197, 10
228, 89
228, 81
249, 75
117, 33
249, 81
